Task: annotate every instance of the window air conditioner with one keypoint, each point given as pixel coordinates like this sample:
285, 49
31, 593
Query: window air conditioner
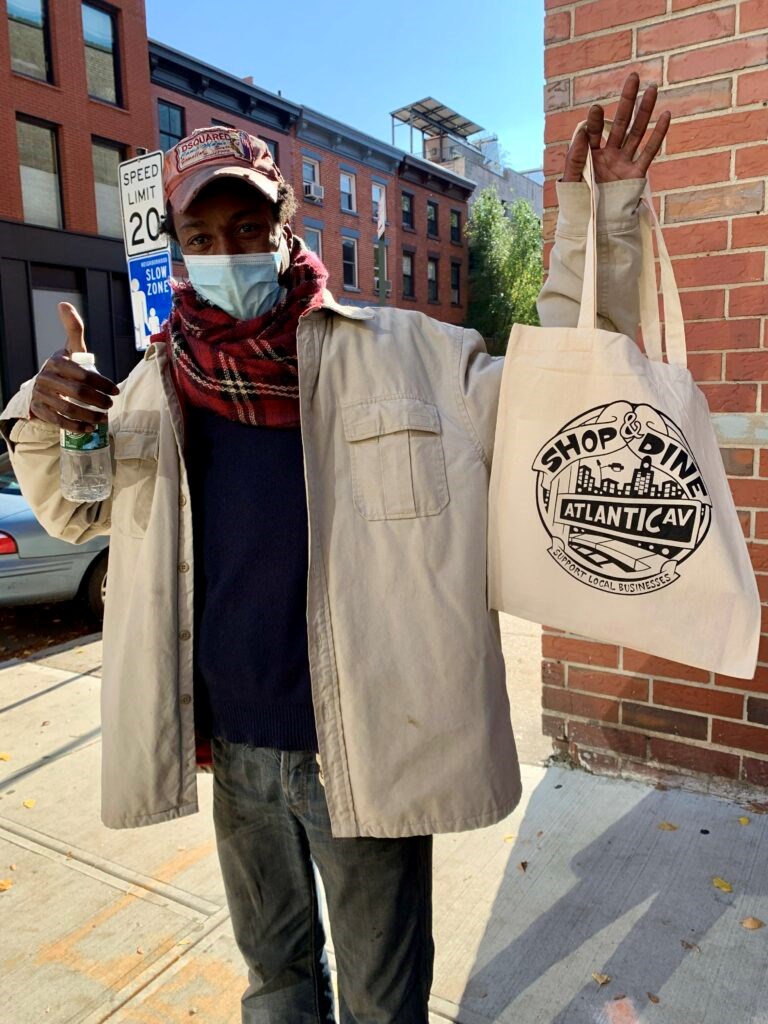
313, 191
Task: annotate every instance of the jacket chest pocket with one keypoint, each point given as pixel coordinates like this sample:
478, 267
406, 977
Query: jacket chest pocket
135, 476
397, 459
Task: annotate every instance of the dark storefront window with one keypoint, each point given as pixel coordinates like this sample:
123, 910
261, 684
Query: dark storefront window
171, 123
28, 31
101, 64
106, 159
39, 170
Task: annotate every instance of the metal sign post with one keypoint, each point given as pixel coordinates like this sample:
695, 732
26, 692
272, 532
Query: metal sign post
147, 249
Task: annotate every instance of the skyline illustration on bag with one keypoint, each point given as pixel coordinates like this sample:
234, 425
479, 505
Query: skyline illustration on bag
622, 499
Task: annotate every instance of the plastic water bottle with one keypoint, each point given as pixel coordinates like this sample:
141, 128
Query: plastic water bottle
86, 462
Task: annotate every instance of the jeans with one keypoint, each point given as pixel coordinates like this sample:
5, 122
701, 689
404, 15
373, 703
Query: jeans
271, 821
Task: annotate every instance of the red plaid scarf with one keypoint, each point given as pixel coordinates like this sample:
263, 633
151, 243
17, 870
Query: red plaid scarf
245, 370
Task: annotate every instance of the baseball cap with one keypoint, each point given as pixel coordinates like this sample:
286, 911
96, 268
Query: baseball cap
217, 152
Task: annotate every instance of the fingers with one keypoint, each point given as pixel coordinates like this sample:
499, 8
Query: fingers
72, 323
641, 121
60, 414
624, 110
576, 157
595, 125
653, 145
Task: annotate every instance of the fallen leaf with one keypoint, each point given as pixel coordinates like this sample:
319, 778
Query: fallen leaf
690, 945
12, 867
621, 995
601, 979
184, 942
140, 951
29, 804
661, 786
45, 723
5, 884
667, 826
5, 757
522, 865
510, 838
539, 834
757, 808
744, 820
720, 883
752, 923
652, 997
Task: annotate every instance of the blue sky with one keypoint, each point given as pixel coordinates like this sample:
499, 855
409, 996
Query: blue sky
350, 61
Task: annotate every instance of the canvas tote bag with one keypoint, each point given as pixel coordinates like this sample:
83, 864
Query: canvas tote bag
610, 514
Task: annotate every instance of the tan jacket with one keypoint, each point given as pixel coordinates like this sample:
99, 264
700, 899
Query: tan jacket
408, 683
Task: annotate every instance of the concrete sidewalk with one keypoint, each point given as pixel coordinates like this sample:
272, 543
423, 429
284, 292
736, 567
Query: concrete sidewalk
132, 928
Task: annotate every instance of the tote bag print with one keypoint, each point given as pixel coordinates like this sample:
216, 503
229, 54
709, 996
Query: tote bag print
610, 513
622, 499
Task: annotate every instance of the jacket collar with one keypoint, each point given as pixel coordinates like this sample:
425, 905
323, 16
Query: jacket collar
351, 312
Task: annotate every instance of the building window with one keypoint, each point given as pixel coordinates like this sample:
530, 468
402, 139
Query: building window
456, 284
347, 185
378, 195
272, 147
456, 225
50, 286
377, 248
170, 119
314, 239
310, 171
38, 163
408, 211
99, 35
431, 219
221, 124
349, 261
106, 159
408, 289
432, 280
28, 31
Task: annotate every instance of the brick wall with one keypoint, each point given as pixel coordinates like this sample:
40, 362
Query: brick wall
65, 104
610, 708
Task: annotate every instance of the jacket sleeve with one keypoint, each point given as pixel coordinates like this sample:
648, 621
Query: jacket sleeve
619, 258
33, 446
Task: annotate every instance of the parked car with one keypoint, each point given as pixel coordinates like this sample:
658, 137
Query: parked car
36, 568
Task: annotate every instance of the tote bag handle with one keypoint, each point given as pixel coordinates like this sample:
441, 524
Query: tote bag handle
649, 305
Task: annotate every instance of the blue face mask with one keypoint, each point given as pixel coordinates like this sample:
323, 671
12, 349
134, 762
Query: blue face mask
244, 286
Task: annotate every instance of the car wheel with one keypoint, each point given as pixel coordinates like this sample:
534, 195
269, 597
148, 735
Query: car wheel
95, 588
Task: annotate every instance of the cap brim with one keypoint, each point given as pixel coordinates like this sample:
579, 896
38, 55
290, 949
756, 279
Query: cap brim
193, 184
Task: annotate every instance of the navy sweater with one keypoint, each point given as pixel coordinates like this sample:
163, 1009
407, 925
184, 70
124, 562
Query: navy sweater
249, 515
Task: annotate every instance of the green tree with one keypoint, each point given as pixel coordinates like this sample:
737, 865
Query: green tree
506, 259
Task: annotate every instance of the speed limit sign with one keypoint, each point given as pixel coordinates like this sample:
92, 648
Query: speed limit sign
141, 200
147, 247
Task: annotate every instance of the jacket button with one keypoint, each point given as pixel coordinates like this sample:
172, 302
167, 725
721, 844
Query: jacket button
185, 635
182, 501
183, 567
186, 699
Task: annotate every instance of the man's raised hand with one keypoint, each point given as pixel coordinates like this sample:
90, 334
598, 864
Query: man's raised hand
618, 159
61, 379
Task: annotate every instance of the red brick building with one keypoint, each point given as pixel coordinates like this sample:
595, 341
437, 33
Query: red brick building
74, 101
81, 89
610, 708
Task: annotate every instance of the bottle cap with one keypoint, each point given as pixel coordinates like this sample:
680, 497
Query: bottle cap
83, 358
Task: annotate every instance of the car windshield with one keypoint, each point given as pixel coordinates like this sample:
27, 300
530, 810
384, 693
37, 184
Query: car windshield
8, 482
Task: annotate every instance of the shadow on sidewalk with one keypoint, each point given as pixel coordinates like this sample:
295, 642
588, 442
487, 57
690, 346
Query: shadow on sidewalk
624, 903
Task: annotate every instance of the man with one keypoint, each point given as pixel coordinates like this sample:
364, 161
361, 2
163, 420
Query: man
334, 463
